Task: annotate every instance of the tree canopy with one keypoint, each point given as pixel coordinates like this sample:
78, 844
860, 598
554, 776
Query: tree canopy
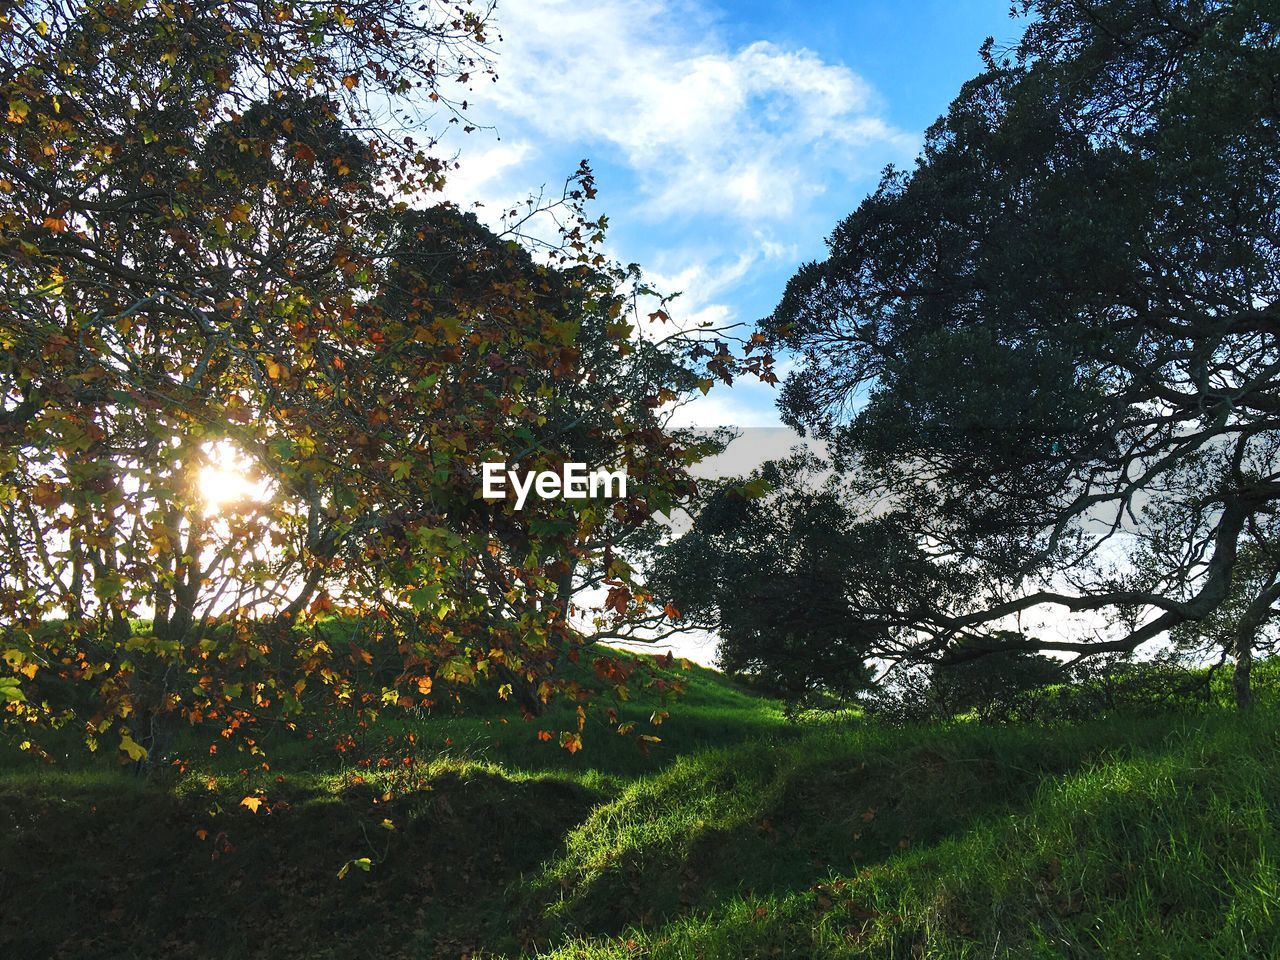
219, 235
1054, 344
771, 563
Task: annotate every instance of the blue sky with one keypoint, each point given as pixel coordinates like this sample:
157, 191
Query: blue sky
727, 138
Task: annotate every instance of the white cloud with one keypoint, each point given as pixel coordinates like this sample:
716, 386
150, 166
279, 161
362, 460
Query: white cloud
749, 405
749, 133
716, 156
699, 282
704, 279
477, 178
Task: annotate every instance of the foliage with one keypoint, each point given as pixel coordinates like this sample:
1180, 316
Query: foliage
770, 564
1052, 693
218, 237
1052, 346
989, 684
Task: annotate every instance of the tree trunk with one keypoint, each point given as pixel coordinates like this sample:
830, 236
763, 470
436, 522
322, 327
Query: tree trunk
1255, 614
1240, 682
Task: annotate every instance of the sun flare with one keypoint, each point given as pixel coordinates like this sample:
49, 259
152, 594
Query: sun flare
229, 478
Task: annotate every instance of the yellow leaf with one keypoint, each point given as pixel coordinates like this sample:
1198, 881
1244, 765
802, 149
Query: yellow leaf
134, 749
274, 369
387, 825
364, 863
253, 803
350, 81
42, 28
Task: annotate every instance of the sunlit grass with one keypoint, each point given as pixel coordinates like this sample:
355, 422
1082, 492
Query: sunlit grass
1153, 838
739, 835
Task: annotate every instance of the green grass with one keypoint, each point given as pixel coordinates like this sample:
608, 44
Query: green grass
1142, 838
739, 835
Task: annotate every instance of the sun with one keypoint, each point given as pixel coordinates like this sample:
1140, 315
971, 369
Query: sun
229, 479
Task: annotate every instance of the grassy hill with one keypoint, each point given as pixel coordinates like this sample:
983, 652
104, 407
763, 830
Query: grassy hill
739, 835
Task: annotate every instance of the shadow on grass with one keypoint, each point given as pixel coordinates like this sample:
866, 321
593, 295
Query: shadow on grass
109, 868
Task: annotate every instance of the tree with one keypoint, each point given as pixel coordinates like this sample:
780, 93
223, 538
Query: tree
183, 194
771, 563
545, 365
989, 683
1243, 626
217, 232
1063, 325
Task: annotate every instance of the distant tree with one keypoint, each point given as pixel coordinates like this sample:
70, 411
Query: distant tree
1065, 321
771, 564
990, 684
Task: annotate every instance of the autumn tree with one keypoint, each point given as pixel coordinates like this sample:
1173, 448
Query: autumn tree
1056, 338
217, 233
532, 365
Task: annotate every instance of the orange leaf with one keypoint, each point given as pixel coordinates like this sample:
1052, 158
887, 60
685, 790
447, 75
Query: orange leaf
55, 224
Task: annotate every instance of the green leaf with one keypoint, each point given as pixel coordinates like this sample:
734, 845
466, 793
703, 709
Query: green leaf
364, 863
10, 691
457, 669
